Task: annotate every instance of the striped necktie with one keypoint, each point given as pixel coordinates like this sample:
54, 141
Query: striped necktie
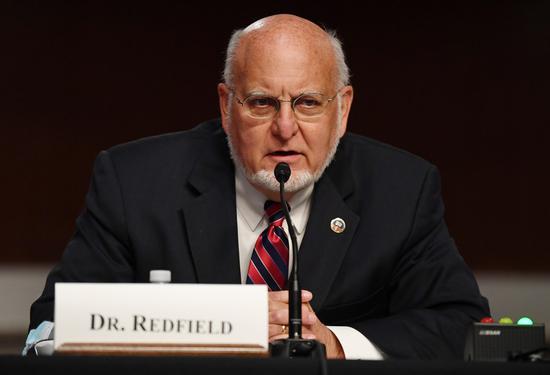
269, 262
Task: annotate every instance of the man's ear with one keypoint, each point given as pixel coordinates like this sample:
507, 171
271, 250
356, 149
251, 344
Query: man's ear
346, 93
224, 95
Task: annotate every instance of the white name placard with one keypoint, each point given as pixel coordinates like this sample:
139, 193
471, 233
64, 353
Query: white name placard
160, 315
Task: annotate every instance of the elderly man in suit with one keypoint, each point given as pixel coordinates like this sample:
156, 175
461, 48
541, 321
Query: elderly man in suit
381, 274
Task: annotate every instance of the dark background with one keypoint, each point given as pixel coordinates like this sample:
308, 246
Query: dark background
464, 85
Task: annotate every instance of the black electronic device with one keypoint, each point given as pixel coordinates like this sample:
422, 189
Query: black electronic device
502, 342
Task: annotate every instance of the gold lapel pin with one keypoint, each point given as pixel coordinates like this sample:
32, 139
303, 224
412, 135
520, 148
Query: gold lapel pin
338, 225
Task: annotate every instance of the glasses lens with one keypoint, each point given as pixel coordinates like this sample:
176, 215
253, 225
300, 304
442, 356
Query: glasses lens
261, 106
309, 105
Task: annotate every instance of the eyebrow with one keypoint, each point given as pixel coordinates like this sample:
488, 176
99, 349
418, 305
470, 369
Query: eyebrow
256, 92
263, 93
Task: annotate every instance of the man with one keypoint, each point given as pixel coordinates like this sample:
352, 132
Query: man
378, 263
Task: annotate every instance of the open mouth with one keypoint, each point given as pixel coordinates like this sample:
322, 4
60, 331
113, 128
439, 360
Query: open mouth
288, 156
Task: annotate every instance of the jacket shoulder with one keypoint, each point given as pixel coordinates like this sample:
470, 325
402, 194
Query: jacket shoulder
169, 142
168, 156
377, 158
358, 145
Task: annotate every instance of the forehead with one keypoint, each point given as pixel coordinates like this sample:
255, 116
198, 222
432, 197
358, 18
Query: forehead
284, 63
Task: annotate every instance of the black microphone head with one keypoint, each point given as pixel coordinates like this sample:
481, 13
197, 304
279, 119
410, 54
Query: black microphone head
282, 172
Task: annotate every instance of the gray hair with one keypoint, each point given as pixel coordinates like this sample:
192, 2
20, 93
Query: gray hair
341, 66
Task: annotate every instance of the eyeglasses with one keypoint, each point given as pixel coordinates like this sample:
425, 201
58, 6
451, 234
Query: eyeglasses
306, 106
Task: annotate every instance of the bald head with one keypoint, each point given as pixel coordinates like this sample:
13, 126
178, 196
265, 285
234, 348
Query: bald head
285, 26
290, 39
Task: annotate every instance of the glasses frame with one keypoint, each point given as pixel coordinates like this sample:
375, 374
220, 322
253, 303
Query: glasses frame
292, 102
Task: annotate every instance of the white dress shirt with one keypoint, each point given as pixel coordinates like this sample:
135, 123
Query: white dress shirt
252, 220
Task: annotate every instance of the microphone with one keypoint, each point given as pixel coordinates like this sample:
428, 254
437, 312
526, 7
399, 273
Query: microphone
295, 346
282, 174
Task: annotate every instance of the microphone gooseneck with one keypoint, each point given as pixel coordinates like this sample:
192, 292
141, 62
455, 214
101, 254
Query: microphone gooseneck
282, 174
295, 346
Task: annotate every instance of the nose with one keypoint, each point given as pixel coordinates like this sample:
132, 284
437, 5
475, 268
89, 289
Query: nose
284, 122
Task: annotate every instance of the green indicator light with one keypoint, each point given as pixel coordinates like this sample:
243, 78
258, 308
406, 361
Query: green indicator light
525, 321
506, 320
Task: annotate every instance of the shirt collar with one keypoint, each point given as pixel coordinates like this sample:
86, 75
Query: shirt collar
250, 204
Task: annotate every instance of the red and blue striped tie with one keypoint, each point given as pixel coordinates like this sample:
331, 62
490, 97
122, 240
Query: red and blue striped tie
269, 262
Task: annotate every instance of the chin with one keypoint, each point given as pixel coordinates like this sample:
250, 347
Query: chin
299, 179
266, 179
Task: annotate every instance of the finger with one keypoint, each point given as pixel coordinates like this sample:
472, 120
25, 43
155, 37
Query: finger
282, 329
306, 295
280, 316
276, 305
277, 330
309, 317
278, 296
282, 296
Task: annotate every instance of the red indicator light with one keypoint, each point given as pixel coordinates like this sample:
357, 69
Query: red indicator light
487, 319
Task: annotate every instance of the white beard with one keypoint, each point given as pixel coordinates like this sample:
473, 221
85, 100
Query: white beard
299, 179
266, 179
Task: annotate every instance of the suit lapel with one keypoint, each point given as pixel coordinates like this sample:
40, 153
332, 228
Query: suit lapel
210, 222
323, 250
210, 216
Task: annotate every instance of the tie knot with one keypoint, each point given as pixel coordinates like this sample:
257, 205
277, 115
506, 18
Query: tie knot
274, 211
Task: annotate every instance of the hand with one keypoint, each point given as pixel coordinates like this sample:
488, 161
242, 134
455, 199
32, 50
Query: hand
312, 328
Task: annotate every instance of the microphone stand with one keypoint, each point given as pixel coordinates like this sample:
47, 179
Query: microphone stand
295, 346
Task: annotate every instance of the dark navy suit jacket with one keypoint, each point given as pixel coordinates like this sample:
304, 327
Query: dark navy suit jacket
394, 274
